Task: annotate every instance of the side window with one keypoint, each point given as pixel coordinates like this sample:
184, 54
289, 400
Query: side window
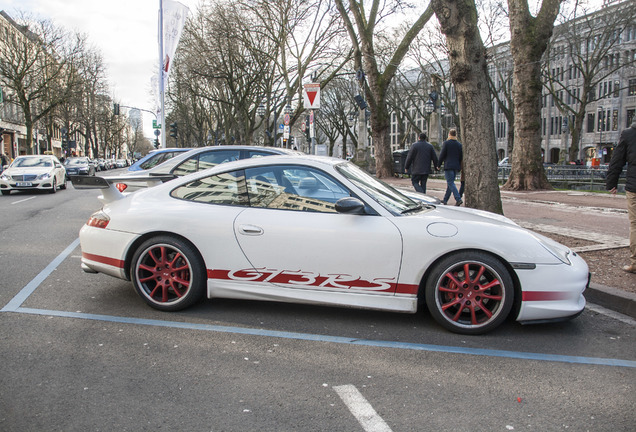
223, 189
256, 153
206, 160
293, 188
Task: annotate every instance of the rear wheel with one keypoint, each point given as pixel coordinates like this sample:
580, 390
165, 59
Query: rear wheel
469, 293
168, 273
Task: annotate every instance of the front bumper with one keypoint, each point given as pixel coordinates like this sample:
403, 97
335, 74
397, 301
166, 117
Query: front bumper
553, 292
26, 185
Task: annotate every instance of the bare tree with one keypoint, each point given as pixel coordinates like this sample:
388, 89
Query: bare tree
37, 65
468, 66
362, 32
529, 40
585, 52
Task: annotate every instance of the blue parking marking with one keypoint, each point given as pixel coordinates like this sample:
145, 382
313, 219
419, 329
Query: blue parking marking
15, 306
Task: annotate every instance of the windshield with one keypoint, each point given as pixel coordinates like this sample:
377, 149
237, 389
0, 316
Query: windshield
30, 162
387, 196
77, 162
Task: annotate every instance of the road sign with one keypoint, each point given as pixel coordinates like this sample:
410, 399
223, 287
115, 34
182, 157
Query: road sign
287, 119
155, 125
311, 96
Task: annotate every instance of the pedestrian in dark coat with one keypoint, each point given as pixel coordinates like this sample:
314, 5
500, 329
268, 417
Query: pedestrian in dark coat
452, 156
625, 153
418, 162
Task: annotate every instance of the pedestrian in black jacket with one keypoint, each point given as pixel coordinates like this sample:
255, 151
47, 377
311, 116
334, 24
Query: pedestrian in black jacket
625, 153
452, 157
418, 162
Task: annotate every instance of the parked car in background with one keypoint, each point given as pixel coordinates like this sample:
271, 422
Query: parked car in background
43, 172
79, 166
120, 163
198, 159
155, 158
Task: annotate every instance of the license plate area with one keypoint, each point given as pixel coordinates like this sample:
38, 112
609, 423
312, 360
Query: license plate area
24, 184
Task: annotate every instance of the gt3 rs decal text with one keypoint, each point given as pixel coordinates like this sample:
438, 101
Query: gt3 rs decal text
309, 279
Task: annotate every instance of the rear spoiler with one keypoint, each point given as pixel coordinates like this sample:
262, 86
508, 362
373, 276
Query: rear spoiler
109, 184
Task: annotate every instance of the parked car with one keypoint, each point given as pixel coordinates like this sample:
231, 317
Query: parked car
320, 230
120, 163
43, 172
196, 160
79, 166
156, 157
101, 165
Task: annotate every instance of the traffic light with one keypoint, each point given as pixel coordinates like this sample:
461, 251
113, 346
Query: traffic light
291, 142
116, 109
156, 143
173, 130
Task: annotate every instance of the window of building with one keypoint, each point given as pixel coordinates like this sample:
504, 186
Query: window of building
631, 89
590, 122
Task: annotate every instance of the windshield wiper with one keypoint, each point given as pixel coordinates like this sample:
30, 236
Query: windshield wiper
411, 209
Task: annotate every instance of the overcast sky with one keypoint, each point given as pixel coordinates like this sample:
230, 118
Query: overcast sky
125, 31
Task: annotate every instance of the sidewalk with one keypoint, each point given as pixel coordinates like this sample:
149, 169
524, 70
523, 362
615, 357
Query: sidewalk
581, 204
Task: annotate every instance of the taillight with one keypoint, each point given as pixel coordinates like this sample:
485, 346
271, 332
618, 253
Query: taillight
121, 186
98, 220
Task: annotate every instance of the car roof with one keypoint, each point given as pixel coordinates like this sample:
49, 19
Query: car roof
173, 162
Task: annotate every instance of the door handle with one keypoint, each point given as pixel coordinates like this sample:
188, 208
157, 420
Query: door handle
250, 230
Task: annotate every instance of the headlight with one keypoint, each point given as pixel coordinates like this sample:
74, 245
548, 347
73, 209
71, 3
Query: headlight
5, 177
557, 249
44, 176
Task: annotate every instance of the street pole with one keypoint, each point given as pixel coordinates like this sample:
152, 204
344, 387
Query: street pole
161, 82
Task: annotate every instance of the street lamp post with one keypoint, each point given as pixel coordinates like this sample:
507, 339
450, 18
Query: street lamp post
601, 117
261, 111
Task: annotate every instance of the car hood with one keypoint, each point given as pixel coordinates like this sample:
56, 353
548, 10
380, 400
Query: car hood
28, 170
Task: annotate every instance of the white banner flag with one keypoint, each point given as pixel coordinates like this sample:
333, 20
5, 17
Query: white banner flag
174, 18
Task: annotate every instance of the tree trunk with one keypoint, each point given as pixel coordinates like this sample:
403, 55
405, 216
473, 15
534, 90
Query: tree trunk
529, 40
467, 55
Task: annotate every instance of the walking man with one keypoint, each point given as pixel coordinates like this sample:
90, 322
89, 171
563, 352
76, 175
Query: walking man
420, 157
625, 153
452, 156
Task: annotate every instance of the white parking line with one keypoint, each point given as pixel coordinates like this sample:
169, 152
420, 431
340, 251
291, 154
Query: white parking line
361, 409
21, 201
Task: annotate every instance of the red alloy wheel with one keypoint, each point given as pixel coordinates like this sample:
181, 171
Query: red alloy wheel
168, 274
470, 295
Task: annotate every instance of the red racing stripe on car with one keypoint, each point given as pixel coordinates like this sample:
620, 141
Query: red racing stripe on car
545, 295
104, 260
406, 288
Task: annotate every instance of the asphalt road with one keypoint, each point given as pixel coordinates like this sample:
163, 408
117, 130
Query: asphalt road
81, 352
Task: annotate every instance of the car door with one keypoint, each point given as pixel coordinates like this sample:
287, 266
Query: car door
296, 239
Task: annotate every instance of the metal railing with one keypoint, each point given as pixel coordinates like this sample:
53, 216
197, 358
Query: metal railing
569, 176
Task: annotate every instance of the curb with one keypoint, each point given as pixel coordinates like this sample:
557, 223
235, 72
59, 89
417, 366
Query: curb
620, 301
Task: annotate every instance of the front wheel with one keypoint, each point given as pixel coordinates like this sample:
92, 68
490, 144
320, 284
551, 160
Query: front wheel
469, 293
53, 185
168, 273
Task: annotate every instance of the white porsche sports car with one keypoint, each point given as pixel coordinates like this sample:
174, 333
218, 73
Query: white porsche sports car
320, 230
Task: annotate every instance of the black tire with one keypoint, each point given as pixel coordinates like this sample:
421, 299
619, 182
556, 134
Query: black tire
53, 185
469, 305
63, 185
168, 273
5, 192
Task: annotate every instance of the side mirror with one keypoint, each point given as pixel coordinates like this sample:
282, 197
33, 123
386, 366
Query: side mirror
350, 205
